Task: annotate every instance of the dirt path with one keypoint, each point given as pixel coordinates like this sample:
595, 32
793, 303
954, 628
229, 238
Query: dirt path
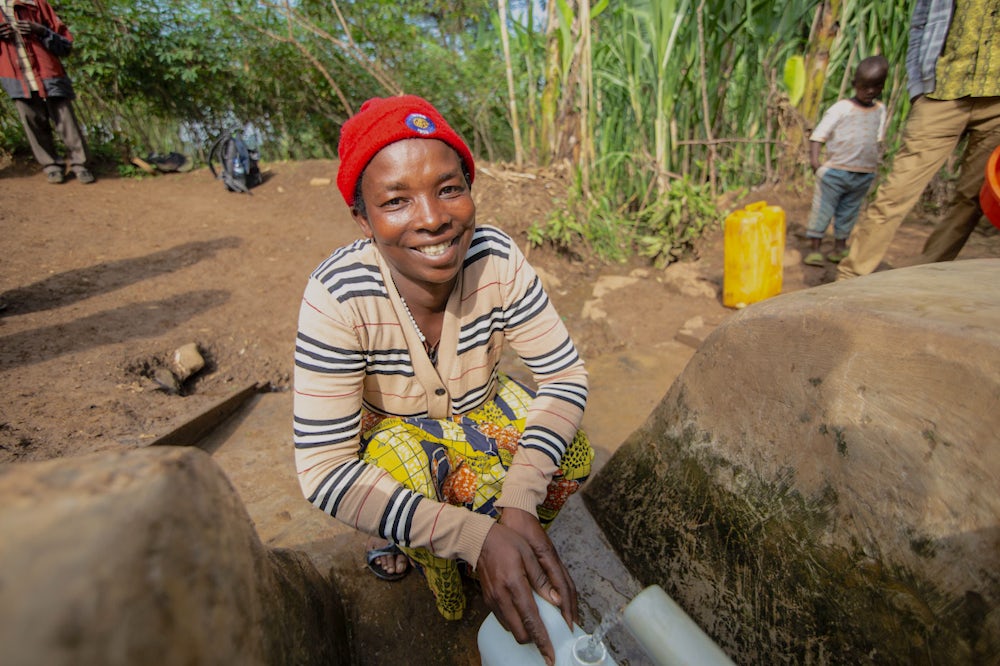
101, 283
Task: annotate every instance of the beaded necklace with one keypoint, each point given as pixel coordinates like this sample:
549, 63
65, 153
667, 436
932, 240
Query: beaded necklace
432, 350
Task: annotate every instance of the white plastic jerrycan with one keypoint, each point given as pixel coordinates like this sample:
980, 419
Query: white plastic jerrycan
497, 646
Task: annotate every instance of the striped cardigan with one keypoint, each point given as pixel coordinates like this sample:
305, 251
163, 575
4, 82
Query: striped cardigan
356, 347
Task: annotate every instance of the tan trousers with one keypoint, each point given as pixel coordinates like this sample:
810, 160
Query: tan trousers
933, 130
38, 116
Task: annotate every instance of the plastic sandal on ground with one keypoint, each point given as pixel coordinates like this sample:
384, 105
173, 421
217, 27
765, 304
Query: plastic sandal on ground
372, 560
813, 259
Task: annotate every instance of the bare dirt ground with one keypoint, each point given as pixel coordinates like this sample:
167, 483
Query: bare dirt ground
101, 283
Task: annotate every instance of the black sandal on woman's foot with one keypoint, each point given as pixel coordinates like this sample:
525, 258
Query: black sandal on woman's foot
391, 550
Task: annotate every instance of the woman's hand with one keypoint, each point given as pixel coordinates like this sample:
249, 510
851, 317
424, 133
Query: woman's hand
516, 558
531, 531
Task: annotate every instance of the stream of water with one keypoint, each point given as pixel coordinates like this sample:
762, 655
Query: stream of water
593, 650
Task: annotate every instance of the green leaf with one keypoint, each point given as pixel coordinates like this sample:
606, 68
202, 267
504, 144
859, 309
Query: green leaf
795, 78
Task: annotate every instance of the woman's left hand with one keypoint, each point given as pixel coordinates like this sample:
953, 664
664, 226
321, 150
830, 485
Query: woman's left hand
528, 527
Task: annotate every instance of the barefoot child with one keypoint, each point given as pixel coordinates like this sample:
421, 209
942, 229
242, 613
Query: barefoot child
853, 130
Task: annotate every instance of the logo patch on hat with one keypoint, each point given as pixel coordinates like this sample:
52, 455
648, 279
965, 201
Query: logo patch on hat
420, 123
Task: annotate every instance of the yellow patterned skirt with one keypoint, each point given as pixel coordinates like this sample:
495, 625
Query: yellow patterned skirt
463, 461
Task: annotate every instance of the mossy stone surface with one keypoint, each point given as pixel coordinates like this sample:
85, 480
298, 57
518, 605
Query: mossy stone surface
817, 486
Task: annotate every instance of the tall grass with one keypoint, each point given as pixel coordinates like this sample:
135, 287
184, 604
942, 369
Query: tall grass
689, 107
660, 106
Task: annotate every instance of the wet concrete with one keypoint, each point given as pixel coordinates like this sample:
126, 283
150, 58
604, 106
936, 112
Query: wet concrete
397, 622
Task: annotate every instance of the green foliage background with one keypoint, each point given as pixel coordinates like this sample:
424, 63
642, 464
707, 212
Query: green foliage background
658, 106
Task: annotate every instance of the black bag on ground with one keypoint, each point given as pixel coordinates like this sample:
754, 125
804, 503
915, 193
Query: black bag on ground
238, 168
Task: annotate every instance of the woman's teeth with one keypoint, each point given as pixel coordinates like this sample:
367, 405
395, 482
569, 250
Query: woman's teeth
434, 250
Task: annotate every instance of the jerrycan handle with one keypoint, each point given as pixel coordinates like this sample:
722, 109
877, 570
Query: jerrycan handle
757, 205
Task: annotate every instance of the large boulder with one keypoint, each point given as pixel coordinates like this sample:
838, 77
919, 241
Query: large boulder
822, 482
149, 557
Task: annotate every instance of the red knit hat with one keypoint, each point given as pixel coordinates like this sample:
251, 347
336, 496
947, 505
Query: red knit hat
385, 120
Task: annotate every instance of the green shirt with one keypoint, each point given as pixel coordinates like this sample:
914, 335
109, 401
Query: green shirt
969, 65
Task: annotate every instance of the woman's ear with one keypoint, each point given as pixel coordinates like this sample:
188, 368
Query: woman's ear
362, 221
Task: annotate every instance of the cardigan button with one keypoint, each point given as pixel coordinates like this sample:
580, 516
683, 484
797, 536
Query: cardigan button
439, 391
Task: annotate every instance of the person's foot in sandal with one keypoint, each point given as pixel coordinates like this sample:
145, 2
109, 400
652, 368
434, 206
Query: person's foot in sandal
813, 259
385, 560
838, 255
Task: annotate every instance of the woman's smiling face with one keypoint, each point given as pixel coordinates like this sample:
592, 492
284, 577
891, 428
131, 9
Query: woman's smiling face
418, 211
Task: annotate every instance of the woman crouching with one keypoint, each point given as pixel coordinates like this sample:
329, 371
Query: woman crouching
404, 426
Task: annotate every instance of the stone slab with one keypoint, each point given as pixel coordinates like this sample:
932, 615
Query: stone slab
820, 483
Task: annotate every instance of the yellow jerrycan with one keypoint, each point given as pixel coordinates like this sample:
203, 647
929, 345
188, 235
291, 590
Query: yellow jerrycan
754, 252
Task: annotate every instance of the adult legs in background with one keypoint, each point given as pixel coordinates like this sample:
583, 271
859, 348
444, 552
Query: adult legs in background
964, 211
39, 116
34, 114
932, 131
61, 112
